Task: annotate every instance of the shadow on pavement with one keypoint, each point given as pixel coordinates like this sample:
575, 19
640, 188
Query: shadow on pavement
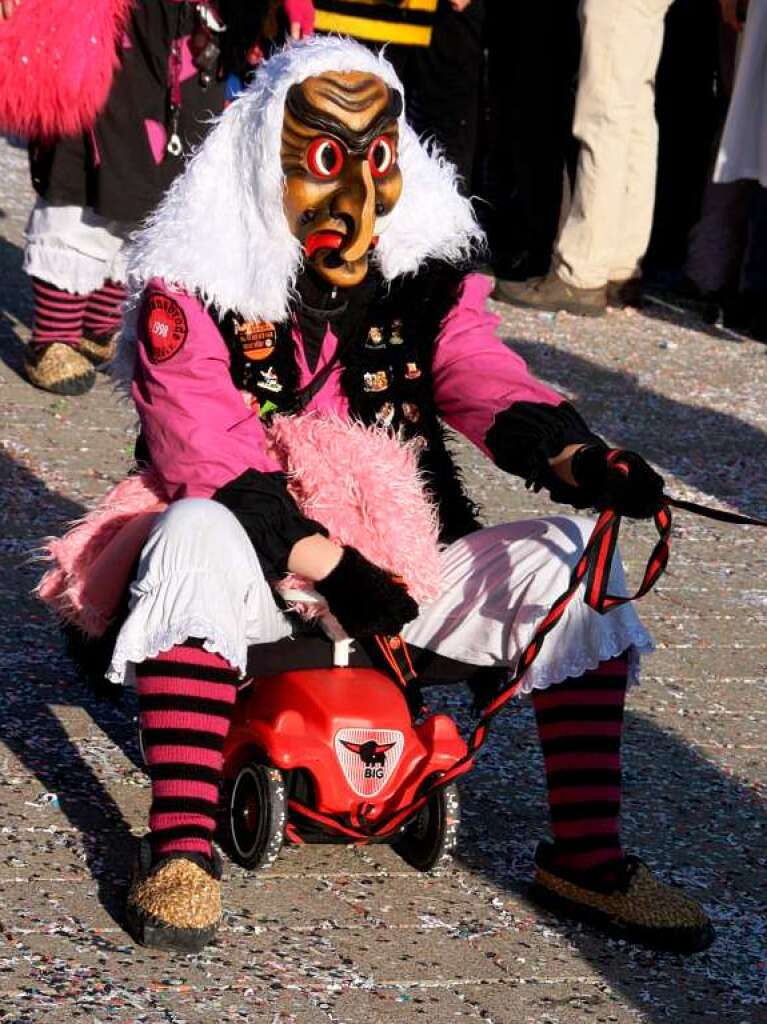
695, 825
15, 305
682, 812
39, 683
707, 449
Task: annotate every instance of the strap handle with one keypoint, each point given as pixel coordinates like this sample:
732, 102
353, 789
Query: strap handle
714, 513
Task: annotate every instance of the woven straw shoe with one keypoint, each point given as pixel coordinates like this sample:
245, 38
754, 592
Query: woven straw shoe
59, 368
175, 903
100, 351
626, 900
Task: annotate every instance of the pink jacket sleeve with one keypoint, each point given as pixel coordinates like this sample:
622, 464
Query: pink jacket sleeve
476, 375
485, 391
200, 433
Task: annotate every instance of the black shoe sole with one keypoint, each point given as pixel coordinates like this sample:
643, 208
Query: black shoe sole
668, 940
71, 387
565, 307
156, 934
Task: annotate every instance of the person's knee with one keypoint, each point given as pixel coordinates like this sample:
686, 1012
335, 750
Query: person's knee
577, 531
197, 534
568, 537
579, 528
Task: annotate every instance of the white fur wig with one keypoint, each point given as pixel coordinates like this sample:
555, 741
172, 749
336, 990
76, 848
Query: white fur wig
221, 231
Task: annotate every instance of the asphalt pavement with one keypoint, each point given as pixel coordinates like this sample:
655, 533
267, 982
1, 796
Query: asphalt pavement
331, 934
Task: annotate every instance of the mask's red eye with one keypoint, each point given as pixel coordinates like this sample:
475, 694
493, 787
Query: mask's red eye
381, 156
325, 158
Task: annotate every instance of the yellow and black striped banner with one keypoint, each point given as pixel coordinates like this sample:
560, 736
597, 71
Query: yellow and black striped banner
408, 23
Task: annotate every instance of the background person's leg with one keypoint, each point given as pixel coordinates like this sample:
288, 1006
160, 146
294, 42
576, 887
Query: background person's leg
69, 253
101, 322
58, 314
621, 42
630, 240
443, 85
103, 310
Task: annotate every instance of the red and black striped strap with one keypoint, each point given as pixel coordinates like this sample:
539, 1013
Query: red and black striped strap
593, 567
720, 514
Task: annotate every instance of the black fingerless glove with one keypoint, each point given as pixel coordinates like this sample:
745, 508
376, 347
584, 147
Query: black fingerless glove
630, 488
366, 600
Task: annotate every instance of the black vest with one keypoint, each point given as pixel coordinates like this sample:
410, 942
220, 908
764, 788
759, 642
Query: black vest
387, 338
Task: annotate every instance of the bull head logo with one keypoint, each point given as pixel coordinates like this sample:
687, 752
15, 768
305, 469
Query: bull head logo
368, 757
370, 753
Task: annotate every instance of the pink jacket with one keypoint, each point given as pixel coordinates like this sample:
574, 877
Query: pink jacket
202, 434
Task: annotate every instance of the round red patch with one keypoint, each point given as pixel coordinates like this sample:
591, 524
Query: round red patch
166, 327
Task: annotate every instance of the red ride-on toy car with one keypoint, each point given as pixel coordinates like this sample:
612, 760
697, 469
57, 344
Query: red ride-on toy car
341, 742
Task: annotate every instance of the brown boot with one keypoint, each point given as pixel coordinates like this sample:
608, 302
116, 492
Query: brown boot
174, 903
621, 294
59, 368
551, 294
100, 351
625, 900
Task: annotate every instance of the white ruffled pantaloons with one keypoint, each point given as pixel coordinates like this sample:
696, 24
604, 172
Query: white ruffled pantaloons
199, 576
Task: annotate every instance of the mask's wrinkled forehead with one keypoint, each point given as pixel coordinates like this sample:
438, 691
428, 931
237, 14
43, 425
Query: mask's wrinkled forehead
354, 107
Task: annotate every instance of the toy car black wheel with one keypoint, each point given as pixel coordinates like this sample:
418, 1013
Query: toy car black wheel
430, 838
254, 808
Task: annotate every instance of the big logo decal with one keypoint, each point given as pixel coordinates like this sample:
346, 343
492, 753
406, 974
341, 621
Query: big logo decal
368, 757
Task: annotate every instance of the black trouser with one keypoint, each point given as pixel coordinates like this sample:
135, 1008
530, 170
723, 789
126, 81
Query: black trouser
533, 51
442, 83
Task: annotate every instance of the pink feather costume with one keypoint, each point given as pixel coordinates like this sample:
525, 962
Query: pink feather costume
382, 510
57, 59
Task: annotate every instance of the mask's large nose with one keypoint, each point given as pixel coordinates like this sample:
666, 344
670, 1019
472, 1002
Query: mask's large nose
357, 204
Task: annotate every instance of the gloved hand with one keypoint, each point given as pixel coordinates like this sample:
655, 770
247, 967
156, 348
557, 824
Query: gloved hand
366, 600
300, 15
632, 488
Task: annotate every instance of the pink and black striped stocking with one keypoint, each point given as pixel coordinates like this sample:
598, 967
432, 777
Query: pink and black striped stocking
186, 699
103, 311
580, 725
58, 314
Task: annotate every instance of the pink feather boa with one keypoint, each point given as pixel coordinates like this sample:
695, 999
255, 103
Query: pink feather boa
93, 560
364, 487
57, 59
360, 483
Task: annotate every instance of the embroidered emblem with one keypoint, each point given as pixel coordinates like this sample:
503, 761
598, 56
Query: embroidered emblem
385, 415
269, 380
376, 381
257, 338
375, 338
396, 333
412, 371
166, 327
411, 412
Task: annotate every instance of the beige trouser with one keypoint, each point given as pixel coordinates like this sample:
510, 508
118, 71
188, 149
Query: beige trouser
608, 226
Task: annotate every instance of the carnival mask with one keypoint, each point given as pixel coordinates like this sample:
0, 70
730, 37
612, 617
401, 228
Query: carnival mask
339, 157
